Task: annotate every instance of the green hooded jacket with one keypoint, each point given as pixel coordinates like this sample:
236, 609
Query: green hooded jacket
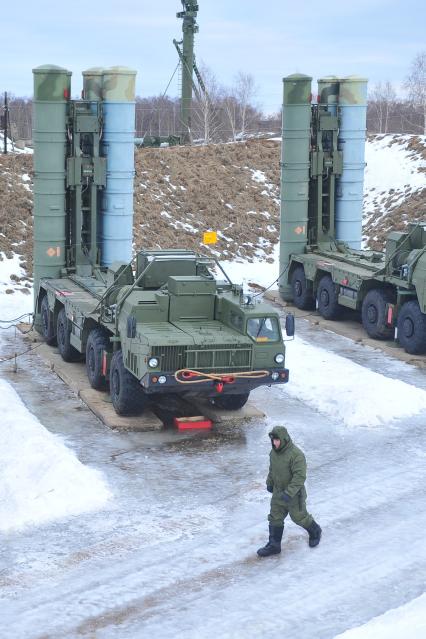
287, 465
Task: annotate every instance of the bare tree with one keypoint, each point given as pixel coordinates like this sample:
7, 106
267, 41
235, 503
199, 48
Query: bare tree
382, 101
231, 108
207, 121
245, 90
416, 86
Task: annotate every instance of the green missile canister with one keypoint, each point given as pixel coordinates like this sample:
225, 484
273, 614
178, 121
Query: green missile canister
92, 84
52, 88
328, 93
295, 166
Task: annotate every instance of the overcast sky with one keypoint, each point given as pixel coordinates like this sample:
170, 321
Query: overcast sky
268, 38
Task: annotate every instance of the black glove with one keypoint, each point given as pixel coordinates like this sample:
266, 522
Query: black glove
286, 498
269, 488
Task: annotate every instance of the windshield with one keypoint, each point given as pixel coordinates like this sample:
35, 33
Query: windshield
263, 329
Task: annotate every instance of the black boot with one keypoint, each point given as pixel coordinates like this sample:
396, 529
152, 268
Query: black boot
314, 534
273, 547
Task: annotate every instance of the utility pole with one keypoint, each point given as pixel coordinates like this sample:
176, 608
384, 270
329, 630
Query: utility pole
5, 122
187, 58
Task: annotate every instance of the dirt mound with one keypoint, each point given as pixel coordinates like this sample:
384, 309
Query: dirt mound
182, 191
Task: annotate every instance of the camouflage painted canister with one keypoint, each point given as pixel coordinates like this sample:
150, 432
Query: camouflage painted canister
52, 88
92, 84
118, 92
328, 93
350, 185
294, 172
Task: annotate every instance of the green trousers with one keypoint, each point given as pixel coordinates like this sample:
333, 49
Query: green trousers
296, 508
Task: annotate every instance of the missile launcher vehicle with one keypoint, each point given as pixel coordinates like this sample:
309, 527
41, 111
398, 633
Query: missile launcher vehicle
160, 323
321, 261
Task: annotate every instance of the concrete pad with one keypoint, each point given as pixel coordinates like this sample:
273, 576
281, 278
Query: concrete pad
74, 376
349, 328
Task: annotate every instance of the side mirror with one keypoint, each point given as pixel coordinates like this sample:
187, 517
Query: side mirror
290, 327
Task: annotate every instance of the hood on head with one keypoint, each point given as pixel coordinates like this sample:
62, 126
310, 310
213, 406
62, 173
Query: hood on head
281, 433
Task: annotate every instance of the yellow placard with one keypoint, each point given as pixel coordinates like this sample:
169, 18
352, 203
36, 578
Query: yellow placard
209, 237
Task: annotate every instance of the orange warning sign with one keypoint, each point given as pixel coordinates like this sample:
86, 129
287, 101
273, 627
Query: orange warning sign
299, 229
54, 252
209, 237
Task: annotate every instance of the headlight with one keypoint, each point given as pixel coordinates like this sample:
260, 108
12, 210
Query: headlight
162, 379
153, 362
275, 376
279, 358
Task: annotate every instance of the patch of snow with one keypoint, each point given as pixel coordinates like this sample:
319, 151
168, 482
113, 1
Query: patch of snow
406, 621
16, 303
258, 176
41, 479
347, 391
392, 170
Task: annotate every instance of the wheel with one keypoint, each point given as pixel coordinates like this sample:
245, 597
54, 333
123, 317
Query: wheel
47, 323
412, 328
63, 333
328, 305
374, 314
302, 296
230, 402
97, 343
128, 397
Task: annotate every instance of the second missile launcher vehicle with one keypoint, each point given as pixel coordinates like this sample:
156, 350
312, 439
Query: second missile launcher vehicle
160, 324
321, 261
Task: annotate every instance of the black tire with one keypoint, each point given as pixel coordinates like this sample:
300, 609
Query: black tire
47, 323
412, 328
327, 296
97, 342
374, 314
302, 296
127, 395
230, 402
63, 333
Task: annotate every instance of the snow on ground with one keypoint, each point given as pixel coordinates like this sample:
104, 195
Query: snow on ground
346, 391
41, 479
13, 302
12, 148
408, 622
393, 172
260, 272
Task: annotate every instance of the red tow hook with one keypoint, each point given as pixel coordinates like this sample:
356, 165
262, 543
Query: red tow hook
219, 387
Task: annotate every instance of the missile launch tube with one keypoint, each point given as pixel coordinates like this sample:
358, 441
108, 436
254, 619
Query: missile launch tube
328, 93
92, 84
350, 185
52, 88
118, 91
294, 172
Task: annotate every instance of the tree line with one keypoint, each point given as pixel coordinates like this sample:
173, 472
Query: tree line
231, 113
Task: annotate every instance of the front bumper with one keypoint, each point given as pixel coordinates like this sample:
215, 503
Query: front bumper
211, 388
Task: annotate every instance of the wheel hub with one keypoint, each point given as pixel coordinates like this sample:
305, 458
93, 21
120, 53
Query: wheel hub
408, 327
325, 298
372, 314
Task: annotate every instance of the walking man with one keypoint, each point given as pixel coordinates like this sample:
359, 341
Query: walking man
286, 481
